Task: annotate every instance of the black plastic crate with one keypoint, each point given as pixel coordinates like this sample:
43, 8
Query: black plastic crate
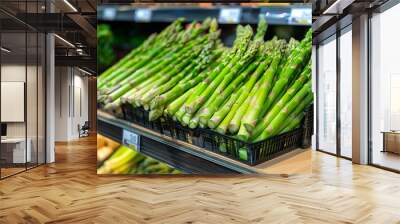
252, 153
308, 127
180, 132
249, 153
166, 126
117, 112
140, 116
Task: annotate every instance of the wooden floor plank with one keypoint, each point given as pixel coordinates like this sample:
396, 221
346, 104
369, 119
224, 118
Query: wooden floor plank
69, 191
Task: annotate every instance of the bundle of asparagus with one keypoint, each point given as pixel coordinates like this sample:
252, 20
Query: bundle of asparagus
253, 90
127, 161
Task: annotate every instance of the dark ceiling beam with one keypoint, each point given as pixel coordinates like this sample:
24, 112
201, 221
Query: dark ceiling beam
322, 23
64, 51
91, 5
78, 61
86, 27
49, 22
54, 22
15, 18
79, 19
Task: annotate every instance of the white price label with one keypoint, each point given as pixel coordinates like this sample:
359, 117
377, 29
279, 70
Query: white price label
109, 13
142, 15
131, 140
229, 15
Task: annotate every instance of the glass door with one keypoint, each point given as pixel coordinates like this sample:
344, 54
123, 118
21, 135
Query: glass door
41, 97
22, 90
326, 87
15, 149
345, 43
385, 90
32, 98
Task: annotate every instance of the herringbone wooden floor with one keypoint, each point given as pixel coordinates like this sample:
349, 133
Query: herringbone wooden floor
71, 192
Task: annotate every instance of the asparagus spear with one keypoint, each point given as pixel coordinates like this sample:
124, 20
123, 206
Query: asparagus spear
304, 77
226, 87
135, 63
159, 89
218, 116
120, 65
279, 120
202, 94
152, 75
232, 120
182, 86
246, 132
294, 123
296, 116
154, 67
215, 100
205, 57
147, 60
224, 110
251, 117
174, 106
294, 63
186, 36
291, 46
161, 78
153, 40
113, 105
262, 27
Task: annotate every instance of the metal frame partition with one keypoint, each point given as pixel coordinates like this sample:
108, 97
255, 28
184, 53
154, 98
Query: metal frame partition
337, 30
361, 24
380, 9
27, 29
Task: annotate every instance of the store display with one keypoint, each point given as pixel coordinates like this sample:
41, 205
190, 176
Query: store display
116, 159
252, 91
207, 85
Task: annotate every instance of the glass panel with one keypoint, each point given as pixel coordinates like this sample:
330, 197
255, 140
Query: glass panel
314, 86
32, 97
385, 92
23, 88
13, 86
327, 96
41, 99
346, 94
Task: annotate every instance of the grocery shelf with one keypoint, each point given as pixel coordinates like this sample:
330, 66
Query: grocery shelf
180, 155
275, 15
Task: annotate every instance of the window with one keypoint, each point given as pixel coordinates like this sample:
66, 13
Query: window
22, 75
385, 89
327, 95
346, 92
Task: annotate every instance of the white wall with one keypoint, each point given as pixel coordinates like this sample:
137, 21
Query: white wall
12, 73
34, 125
71, 93
61, 103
